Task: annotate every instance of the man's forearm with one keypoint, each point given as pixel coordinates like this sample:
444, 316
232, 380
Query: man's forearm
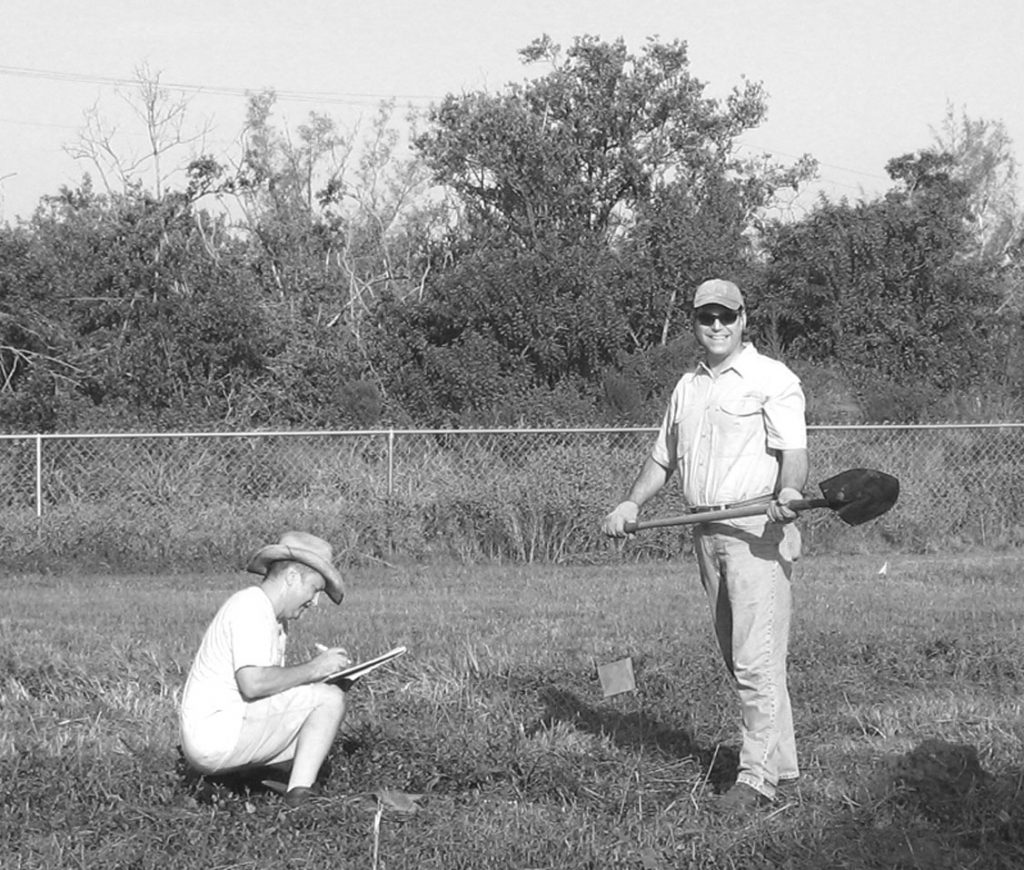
793, 469
260, 682
649, 481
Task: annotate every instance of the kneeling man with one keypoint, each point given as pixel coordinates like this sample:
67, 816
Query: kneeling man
242, 706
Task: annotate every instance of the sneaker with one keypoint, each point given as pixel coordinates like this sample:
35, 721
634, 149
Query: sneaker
740, 800
301, 795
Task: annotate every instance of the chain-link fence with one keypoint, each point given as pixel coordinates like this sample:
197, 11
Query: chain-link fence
136, 500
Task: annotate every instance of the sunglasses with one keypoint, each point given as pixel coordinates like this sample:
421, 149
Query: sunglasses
726, 318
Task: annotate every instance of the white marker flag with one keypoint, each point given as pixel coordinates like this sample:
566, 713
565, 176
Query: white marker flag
617, 677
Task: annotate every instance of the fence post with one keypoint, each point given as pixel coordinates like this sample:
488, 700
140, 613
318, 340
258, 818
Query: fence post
39, 476
391, 462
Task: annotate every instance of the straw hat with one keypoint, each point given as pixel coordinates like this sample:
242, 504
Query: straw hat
307, 549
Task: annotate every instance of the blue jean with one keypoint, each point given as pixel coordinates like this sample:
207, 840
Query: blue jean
746, 571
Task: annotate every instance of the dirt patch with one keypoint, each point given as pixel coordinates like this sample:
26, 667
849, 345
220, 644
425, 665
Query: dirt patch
941, 775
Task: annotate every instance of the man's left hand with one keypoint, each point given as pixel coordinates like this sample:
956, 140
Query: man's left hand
779, 510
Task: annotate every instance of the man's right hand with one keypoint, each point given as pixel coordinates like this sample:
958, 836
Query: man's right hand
330, 660
614, 524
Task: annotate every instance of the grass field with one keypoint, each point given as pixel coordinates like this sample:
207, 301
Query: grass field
907, 688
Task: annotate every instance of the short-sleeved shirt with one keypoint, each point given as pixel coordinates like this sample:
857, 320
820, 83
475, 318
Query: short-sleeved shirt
723, 432
244, 632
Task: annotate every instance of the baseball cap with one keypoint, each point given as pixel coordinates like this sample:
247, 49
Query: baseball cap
718, 292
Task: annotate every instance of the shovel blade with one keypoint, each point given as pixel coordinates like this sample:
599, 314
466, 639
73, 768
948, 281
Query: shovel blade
860, 494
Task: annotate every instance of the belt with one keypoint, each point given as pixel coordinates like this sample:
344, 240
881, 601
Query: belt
709, 508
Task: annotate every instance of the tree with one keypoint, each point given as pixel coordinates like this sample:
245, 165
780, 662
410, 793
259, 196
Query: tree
982, 158
37, 374
128, 313
334, 222
680, 239
579, 149
881, 291
494, 329
569, 190
121, 166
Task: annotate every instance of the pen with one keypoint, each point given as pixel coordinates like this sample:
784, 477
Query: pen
321, 648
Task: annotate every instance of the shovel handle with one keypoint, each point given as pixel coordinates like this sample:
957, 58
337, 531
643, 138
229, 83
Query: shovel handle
753, 510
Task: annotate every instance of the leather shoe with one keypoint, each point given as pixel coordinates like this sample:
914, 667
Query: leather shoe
739, 800
302, 795
789, 785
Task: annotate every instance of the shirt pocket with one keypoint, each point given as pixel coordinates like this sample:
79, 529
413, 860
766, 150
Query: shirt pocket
739, 424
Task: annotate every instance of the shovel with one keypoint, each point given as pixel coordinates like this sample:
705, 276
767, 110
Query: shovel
856, 495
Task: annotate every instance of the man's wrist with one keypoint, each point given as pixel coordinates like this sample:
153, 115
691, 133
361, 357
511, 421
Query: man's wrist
628, 509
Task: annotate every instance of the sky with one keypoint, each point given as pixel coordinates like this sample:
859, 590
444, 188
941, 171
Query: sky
851, 83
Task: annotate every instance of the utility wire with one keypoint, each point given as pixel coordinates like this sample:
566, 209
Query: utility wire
340, 97
330, 97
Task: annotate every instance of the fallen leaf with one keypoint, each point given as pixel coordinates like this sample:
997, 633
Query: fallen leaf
399, 801
274, 785
650, 859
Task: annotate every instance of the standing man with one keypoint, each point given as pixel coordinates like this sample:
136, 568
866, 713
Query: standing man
735, 430
242, 706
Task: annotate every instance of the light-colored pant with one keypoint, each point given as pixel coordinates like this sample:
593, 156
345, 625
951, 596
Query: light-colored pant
264, 731
746, 574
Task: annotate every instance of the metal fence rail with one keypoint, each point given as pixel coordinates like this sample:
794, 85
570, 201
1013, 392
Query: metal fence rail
959, 482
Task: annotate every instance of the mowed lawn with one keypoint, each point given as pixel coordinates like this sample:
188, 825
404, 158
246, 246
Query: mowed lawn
907, 689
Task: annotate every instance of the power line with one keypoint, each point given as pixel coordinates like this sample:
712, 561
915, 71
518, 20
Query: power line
337, 97
38, 124
329, 97
764, 148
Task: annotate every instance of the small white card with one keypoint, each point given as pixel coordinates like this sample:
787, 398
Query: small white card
617, 677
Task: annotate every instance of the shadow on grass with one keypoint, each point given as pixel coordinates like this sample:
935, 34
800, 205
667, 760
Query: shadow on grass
209, 789
637, 730
933, 807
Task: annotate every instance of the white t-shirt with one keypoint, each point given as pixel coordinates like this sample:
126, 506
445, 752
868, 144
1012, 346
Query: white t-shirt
244, 632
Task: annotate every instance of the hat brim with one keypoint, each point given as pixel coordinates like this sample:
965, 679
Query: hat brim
731, 304
334, 586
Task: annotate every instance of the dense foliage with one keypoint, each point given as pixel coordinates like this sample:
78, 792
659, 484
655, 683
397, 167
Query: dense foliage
878, 290
531, 263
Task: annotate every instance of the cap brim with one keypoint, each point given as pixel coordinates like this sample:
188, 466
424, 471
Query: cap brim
731, 304
334, 586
